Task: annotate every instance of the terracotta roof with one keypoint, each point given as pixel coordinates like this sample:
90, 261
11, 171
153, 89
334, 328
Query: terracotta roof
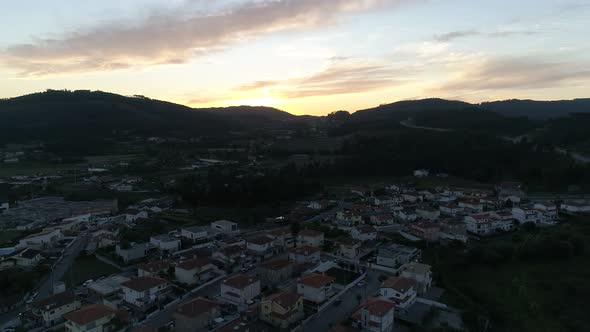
155, 266
196, 307
240, 281
89, 314
276, 264
376, 307
305, 250
143, 283
316, 280
400, 284
285, 299
194, 263
56, 301
310, 233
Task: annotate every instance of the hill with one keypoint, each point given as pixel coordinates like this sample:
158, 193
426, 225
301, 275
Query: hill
538, 110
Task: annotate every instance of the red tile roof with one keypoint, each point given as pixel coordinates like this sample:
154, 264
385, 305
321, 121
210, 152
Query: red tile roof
143, 283
285, 299
240, 281
197, 307
400, 284
55, 301
276, 264
316, 280
89, 314
194, 263
376, 307
155, 266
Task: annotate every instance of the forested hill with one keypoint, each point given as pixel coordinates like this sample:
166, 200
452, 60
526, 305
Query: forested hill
538, 110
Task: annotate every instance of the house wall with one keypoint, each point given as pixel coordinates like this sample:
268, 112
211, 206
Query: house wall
248, 293
317, 295
96, 326
51, 317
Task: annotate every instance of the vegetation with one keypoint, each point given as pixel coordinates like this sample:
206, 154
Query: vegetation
88, 267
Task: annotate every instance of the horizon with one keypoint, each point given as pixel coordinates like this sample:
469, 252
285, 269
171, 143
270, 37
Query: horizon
301, 56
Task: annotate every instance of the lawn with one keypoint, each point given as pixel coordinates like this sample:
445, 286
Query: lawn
343, 277
87, 267
527, 281
8, 238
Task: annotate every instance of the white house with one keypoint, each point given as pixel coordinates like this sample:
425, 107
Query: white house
54, 307
311, 238
134, 215
135, 251
41, 240
406, 214
421, 173
421, 273
260, 245
305, 254
527, 214
193, 271
402, 291
315, 287
349, 248
575, 207
428, 213
194, 233
144, 291
166, 243
471, 204
396, 255
240, 289
549, 210
225, 226
450, 209
375, 315
382, 219
4, 206
364, 233
489, 223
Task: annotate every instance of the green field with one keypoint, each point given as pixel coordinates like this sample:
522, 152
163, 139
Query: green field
527, 281
87, 267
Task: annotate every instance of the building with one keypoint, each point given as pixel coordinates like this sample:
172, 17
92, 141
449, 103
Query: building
195, 315
275, 272
260, 246
311, 238
153, 269
194, 233
282, 238
107, 286
194, 271
240, 289
225, 226
166, 243
471, 205
382, 219
549, 210
282, 309
426, 230
349, 248
489, 223
364, 233
231, 256
453, 230
142, 292
450, 209
92, 318
4, 206
428, 213
27, 258
395, 255
421, 173
305, 254
134, 252
421, 273
375, 315
52, 308
571, 207
402, 291
41, 240
315, 287
406, 214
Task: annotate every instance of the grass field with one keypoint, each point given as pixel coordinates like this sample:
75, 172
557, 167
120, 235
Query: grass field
527, 281
87, 267
7, 237
8, 170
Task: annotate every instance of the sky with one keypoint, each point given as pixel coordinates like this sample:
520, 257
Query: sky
302, 56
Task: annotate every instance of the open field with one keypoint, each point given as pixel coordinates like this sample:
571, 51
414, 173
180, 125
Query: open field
8, 237
8, 170
87, 267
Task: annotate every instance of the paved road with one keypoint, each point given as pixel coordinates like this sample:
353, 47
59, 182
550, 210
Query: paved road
334, 314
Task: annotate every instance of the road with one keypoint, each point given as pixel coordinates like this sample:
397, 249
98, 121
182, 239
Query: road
45, 289
334, 314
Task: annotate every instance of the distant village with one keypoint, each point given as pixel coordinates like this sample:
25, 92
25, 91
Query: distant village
341, 261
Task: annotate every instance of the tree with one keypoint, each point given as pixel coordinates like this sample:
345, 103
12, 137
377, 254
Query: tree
295, 229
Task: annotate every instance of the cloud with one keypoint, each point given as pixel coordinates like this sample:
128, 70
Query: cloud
337, 79
515, 73
454, 35
172, 38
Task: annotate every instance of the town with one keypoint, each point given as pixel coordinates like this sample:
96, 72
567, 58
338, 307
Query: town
352, 258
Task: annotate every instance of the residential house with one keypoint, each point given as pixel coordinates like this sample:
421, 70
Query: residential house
364, 233
406, 214
225, 227
375, 315
315, 287
402, 291
427, 213
421, 173
480, 224
472, 205
230, 256
349, 217
240, 289
412, 197
453, 230
142, 292
135, 251
450, 209
395, 255
305, 254
41, 240
426, 230
153, 269
282, 238
194, 271
133, 215
260, 246
92, 318
52, 309
349, 248
421, 273
4, 206
549, 210
275, 272
573, 207
311, 238
195, 315
165, 243
282, 310
27, 258
382, 219
510, 191
194, 233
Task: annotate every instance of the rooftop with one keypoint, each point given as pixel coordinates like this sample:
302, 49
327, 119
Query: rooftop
196, 307
375, 307
316, 280
276, 264
284, 299
305, 250
55, 301
89, 314
310, 233
240, 281
144, 283
400, 284
194, 263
